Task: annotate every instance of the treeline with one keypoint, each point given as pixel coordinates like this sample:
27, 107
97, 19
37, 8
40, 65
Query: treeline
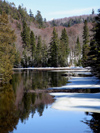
91, 49
37, 53
68, 22
21, 13
35, 50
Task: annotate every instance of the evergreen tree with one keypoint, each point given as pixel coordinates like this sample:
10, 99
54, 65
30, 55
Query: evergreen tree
97, 40
26, 35
94, 54
85, 49
38, 56
92, 11
64, 39
62, 59
53, 59
39, 18
44, 54
7, 51
32, 44
78, 52
24, 60
30, 13
53, 23
63, 51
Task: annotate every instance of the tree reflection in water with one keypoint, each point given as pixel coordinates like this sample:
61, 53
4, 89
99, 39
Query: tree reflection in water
94, 122
32, 103
16, 104
33, 80
29, 104
8, 113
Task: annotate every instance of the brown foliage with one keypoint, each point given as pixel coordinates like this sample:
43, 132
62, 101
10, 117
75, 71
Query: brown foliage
46, 33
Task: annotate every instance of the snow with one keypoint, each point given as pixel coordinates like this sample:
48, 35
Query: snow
81, 83
86, 102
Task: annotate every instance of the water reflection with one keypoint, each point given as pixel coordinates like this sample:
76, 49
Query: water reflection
16, 104
8, 113
32, 103
13, 108
33, 80
94, 122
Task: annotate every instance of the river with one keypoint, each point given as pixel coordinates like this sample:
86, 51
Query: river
25, 111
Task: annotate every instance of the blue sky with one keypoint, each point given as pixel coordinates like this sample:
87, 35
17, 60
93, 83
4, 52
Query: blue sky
54, 9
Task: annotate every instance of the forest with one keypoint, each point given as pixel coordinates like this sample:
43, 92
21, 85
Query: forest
28, 40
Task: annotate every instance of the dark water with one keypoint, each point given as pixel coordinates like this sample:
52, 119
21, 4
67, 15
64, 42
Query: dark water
22, 112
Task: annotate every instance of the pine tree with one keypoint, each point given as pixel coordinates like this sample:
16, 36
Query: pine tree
38, 56
85, 49
97, 41
78, 52
62, 59
7, 51
64, 46
32, 44
39, 18
44, 54
94, 54
53, 59
92, 11
26, 35
30, 13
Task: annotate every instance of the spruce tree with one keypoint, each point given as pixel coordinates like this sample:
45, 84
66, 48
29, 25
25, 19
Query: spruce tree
39, 18
26, 35
33, 45
44, 54
94, 54
78, 52
62, 59
85, 49
53, 59
7, 51
30, 13
38, 56
64, 47
97, 41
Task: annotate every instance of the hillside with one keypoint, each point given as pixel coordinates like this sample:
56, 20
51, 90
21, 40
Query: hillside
46, 33
70, 21
24, 24
73, 25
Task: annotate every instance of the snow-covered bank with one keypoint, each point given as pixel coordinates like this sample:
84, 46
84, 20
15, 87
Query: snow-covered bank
86, 102
55, 68
81, 83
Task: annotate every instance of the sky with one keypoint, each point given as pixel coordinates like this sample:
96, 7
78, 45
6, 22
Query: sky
55, 9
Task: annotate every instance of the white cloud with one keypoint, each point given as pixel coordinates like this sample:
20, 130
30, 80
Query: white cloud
74, 12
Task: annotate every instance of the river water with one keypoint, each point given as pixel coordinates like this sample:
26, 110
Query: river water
56, 112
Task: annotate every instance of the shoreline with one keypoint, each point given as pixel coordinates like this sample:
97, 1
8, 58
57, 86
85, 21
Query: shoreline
54, 68
85, 90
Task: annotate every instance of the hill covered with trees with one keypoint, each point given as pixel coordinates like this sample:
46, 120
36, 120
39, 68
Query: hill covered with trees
46, 44
70, 21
